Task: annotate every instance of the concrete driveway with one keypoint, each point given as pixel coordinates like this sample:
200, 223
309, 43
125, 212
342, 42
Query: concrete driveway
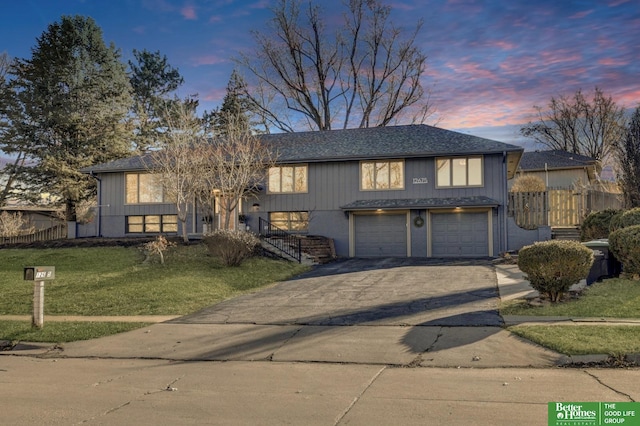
391, 291
404, 312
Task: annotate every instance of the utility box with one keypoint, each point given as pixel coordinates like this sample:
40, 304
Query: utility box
39, 273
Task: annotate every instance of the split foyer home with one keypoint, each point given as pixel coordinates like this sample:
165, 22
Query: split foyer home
414, 191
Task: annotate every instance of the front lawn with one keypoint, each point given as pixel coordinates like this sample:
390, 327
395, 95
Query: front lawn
104, 281
612, 298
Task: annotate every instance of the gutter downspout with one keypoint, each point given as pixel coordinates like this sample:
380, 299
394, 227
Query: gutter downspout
505, 196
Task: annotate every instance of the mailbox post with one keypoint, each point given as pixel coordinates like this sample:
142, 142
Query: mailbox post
39, 274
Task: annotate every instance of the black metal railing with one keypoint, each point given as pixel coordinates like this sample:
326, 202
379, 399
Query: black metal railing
287, 243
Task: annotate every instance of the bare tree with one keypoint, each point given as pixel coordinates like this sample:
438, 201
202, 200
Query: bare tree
629, 162
236, 165
177, 163
366, 74
14, 224
574, 124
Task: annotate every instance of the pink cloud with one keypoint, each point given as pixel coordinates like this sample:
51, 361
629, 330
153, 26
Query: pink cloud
612, 62
215, 18
615, 3
581, 15
501, 44
208, 60
189, 12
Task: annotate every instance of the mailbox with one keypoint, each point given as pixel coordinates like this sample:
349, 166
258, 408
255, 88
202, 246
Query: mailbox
39, 273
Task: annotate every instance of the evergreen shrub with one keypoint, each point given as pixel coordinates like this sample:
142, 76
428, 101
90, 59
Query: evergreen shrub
552, 267
624, 243
596, 225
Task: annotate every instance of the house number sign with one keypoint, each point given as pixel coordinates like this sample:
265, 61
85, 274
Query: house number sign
420, 181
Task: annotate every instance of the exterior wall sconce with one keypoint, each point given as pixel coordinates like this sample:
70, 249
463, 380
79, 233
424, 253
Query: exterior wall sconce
255, 207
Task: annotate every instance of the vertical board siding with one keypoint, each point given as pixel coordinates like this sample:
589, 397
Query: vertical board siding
335, 184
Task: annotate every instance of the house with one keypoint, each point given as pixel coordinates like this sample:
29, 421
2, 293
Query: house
574, 189
559, 169
415, 190
36, 217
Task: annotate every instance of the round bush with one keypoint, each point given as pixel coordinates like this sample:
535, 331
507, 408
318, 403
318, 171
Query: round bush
596, 225
624, 243
616, 221
552, 267
630, 217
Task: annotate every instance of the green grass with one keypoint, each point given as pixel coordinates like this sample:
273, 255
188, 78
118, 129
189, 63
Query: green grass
613, 298
583, 340
112, 281
55, 332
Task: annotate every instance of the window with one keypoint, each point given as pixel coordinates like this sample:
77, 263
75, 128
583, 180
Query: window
460, 171
152, 224
381, 175
285, 179
290, 221
144, 188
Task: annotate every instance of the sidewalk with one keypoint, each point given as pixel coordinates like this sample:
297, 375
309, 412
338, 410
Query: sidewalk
420, 344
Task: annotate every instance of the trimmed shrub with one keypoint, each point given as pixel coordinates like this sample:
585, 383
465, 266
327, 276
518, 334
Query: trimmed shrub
552, 267
596, 225
624, 243
630, 217
232, 247
616, 221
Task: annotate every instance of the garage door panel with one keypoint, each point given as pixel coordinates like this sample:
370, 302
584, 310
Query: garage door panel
459, 234
381, 235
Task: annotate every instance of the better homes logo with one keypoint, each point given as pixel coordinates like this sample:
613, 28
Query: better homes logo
571, 413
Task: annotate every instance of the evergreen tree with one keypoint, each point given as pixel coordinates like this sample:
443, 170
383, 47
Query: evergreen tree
75, 95
152, 80
235, 112
629, 160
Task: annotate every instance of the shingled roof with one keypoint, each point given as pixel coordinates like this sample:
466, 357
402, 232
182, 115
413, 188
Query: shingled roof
357, 144
554, 159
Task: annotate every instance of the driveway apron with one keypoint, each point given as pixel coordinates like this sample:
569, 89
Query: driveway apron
390, 291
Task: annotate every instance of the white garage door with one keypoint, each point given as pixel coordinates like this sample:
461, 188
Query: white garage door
381, 235
460, 234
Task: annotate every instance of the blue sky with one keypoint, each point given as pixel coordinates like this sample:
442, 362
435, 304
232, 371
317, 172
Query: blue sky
489, 61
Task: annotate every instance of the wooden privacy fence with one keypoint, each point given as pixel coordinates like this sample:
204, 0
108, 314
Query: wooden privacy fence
558, 207
54, 233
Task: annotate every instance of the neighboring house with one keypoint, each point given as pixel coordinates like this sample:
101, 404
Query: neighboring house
559, 169
573, 190
36, 216
414, 190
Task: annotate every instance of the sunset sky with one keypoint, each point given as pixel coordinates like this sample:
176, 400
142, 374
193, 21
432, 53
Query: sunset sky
489, 61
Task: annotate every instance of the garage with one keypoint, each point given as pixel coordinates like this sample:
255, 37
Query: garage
460, 234
380, 235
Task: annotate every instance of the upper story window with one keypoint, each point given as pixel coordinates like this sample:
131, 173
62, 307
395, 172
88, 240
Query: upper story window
288, 179
459, 171
381, 175
144, 188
